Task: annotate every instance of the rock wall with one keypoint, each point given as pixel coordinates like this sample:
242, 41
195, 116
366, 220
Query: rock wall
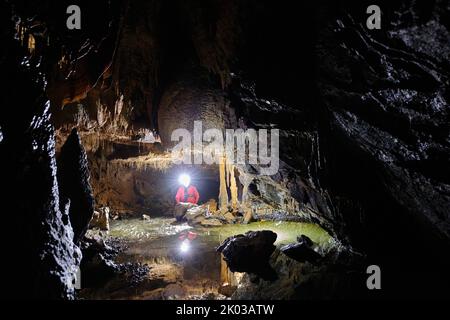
41, 257
74, 184
385, 96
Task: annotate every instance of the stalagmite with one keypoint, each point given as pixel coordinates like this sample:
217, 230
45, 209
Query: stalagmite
223, 195
245, 180
233, 187
225, 276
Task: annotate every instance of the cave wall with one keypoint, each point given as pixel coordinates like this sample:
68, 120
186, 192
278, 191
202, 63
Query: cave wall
40, 255
385, 94
46, 66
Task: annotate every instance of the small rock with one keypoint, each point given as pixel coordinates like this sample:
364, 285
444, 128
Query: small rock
212, 205
114, 215
229, 216
227, 289
145, 217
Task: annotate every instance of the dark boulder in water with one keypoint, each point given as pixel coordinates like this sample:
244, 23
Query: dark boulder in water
305, 239
301, 252
250, 253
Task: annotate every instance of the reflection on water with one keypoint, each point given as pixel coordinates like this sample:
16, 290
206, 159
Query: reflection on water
157, 228
186, 274
287, 232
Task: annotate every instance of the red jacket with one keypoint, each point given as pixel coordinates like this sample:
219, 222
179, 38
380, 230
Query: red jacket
192, 195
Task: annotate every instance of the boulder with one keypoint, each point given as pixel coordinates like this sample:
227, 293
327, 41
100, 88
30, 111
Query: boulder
305, 239
181, 209
301, 252
195, 215
250, 253
100, 219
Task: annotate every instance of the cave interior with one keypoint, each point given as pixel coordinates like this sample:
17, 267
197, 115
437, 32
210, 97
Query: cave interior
86, 140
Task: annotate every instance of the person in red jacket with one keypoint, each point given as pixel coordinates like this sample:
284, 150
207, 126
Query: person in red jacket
187, 192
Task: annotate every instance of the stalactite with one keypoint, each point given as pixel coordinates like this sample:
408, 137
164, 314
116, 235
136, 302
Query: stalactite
224, 271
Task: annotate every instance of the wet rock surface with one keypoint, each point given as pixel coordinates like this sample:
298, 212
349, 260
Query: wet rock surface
333, 279
385, 96
100, 270
250, 253
302, 251
42, 259
305, 239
